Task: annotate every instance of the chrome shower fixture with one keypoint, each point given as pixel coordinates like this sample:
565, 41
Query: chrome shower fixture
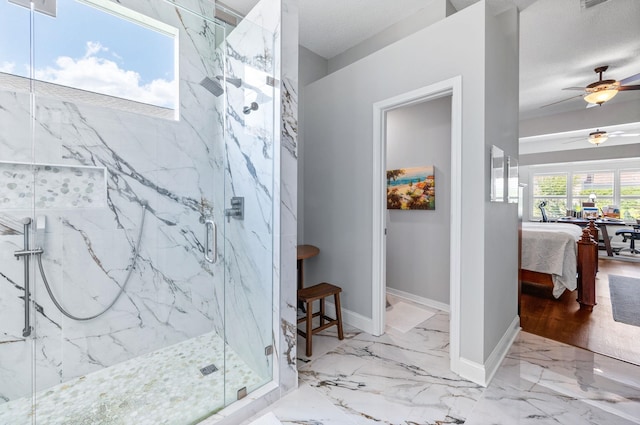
237, 82
213, 86
247, 109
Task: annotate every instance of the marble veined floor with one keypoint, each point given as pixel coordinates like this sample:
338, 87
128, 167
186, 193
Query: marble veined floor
404, 378
162, 387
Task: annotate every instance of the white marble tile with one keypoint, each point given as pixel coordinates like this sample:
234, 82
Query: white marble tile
267, 419
393, 378
307, 405
403, 316
323, 342
536, 404
165, 386
405, 378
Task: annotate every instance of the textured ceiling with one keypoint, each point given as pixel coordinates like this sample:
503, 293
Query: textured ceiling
561, 44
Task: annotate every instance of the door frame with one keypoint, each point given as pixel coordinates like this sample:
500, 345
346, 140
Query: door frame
450, 87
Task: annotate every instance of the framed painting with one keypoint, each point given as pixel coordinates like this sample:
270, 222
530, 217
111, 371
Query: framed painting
411, 189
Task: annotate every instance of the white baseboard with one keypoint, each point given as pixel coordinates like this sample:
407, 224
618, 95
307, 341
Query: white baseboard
500, 351
483, 374
472, 371
351, 318
427, 302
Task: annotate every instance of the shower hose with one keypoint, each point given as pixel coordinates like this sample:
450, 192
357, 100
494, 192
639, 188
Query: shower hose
122, 287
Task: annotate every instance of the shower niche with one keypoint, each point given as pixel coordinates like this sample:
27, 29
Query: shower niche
116, 254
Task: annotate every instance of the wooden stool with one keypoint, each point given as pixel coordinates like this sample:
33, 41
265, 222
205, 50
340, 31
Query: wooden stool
308, 296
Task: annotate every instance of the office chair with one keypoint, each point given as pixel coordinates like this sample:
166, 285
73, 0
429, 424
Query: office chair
543, 211
633, 236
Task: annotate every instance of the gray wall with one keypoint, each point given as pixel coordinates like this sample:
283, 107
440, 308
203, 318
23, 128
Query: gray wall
418, 241
501, 219
338, 156
433, 11
311, 68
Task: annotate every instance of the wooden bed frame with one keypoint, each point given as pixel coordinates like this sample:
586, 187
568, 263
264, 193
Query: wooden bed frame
587, 267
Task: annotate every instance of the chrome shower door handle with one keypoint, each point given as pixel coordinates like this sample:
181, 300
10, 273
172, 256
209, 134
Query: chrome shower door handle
210, 241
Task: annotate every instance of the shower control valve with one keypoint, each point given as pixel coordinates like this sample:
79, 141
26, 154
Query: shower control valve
237, 209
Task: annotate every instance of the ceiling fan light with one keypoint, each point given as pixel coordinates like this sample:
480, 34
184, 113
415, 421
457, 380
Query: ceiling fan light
598, 137
599, 97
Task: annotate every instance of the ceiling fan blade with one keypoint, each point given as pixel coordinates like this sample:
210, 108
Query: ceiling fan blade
622, 88
575, 139
630, 79
560, 101
574, 88
624, 135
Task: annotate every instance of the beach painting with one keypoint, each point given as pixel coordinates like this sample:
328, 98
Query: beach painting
411, 189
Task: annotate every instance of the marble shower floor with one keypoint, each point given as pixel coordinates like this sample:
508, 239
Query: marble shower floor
404, 379
162, 387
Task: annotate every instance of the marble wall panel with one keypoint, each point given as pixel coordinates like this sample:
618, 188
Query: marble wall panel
173, 294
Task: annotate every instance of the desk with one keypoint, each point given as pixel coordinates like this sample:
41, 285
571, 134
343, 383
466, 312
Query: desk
304, 252
602, 226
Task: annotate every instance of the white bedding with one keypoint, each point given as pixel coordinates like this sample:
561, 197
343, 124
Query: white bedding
551, 248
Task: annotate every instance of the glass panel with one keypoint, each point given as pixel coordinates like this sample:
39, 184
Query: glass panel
594, 187
124, 214
16, 206
126, 207
550, 185
249, 176
630, 194
551, 188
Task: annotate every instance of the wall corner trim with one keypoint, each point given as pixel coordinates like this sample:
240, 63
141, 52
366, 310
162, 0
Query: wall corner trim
483, 374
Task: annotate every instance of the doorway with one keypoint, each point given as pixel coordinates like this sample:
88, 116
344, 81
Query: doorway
448, 88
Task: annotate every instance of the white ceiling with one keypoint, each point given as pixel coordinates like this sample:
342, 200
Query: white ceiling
560, 43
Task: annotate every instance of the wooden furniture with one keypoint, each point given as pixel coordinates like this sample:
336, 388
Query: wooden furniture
602, 224
586, 268
304, 252
315, 293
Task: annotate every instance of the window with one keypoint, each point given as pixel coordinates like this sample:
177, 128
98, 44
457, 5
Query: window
599, 183
566, 186
629, 194
92, 47
551, 188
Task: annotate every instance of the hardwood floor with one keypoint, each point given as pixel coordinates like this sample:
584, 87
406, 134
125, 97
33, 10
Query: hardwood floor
562, 320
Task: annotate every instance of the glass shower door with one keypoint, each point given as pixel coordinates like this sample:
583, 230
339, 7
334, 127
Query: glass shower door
118, 134
139, 144
249, 207
16, 200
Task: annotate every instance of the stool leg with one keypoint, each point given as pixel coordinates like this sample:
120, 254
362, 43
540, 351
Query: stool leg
309, 333
321, 311
336, 298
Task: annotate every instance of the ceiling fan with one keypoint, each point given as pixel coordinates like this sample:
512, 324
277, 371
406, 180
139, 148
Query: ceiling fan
600, 136
598, 92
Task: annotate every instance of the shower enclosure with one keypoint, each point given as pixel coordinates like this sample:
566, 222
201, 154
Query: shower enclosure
136, 211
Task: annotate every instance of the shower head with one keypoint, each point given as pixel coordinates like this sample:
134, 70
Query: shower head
237, 82
213, 86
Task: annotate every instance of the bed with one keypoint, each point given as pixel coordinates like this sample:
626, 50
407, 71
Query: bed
562, 256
